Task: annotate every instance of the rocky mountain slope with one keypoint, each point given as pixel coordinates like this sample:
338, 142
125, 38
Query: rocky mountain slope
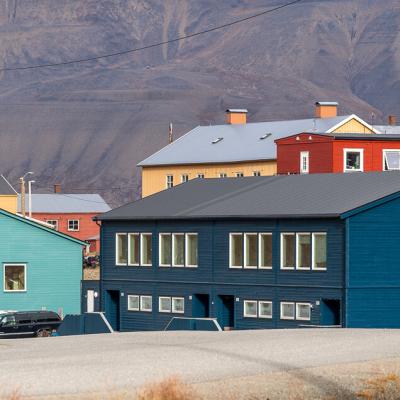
87, 125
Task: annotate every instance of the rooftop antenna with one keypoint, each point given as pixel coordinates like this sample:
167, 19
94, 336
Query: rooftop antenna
372, 118
170, 133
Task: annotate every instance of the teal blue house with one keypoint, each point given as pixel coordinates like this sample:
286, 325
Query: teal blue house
41, 269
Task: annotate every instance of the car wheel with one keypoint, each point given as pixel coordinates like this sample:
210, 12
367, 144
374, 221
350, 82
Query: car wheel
43, 333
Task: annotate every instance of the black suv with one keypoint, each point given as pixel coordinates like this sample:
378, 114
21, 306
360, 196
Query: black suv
28, 323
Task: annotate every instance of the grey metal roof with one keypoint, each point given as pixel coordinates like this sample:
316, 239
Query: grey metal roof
240, 142
388, 129
5, 187
66, 203
313, 195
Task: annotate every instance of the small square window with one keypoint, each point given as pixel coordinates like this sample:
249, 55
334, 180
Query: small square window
303, 311
250, 308
73, 225
14, 277
287, 310
53, 222
133, 302
164, 304
146, 303
353, 160
265, 309
178, 305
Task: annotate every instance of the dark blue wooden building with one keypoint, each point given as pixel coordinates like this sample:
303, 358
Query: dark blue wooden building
260, 252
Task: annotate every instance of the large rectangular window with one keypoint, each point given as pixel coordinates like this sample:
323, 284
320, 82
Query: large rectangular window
178, 249
191, 249
146, 303
164, 304
250, 247
14, 277
165, 253
236, 250
265, 309
319, 251
303, 311
265, 250
391, 160
121, 249
178, 305
133, 302
288, 250
287, 310
303, 251
134, 248
140, 303
250, 308
146, 249
353, 160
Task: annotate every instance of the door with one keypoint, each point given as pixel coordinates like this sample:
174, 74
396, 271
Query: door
226, 311
201, 306
90, 301
330, 312
113, 309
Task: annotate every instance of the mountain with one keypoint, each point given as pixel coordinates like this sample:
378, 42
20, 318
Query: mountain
87, 125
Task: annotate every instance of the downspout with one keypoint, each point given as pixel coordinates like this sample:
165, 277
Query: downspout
101, 265
346, 271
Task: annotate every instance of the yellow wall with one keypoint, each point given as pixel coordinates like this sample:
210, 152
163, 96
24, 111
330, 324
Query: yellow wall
9, 203
353, 126
154, 179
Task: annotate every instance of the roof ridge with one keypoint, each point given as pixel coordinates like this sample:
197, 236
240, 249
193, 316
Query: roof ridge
230, 195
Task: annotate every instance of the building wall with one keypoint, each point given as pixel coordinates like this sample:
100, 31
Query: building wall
353, 126
9, 203
214, 277
53, 267
373, 273
154, 178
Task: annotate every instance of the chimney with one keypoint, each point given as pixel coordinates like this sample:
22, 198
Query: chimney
392, 120
326, 109
57, 188
236, 116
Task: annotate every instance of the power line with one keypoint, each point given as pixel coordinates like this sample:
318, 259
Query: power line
120, 53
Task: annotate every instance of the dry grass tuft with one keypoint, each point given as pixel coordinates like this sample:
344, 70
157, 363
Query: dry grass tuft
14, 395
385, 387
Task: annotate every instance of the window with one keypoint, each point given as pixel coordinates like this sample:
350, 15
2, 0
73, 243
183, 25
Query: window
178, 250
319, 251
146, 303
145, 249
184, 178
178, 305
121, 249
73, 225
265, 250
303, 251
256, 173
288, 249
265, 309
133, 302
191, 249
304, 162
239, 175
53, 222
164, 304
250, 250
170, 181
353, 160
223, 175
250, 308
391, 160
303, 311
236, 250
133, 248
14, 277
287, 310
201, 176
165, 252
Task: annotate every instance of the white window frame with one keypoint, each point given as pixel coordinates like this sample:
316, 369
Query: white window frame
174, 235
294, 310
201, 176
141, 249
138, 298
259, 249
281, 251
349, 150
304, 155
231, 234
151, 303
186, 249
244, 309
50, 222
173, 309
297, 311
73, 230
256, 173
159, 304
223, 175
4, 277
314, 268
160, 249
298, 252
116, 249
129, 249
259, 308
184, 178
384, 156
239, 174
169, 181
245, 250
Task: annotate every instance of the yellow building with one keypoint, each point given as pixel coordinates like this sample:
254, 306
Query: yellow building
237, 148
8, 196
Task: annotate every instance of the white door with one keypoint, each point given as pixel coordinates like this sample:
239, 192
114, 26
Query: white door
90, 301
304, 162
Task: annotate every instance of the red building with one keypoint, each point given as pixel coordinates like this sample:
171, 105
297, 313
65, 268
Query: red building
71, 214
337, 152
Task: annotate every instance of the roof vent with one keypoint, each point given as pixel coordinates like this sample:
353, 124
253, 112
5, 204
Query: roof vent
265, 136
217, 140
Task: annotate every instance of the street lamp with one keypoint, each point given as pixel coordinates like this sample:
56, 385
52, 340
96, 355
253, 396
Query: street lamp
30, 197
22, 179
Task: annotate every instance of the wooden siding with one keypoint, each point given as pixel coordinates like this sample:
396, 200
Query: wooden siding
9, 203
353, 126
53, 267
373, 267
154, 178
213, 275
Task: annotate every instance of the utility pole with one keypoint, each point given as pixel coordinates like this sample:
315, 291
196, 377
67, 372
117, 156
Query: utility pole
22, 196
170, 135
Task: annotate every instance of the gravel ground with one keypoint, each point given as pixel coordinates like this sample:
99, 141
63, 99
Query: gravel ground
273, 362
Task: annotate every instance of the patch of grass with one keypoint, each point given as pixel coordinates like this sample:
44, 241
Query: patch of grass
386, 387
